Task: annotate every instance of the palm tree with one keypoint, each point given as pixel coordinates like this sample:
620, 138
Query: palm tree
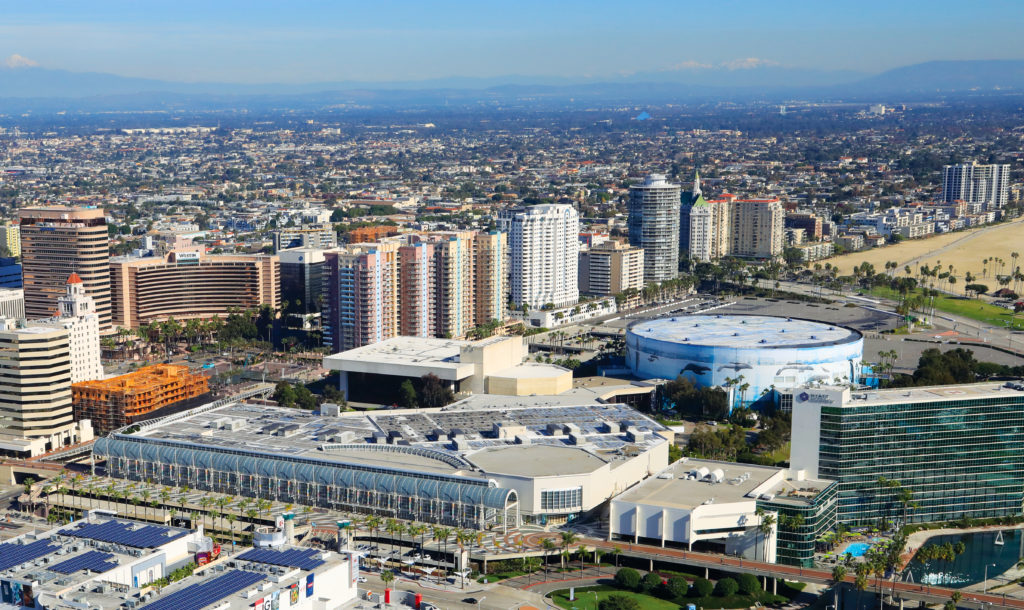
393, 527
231, 525
418, 529
387, 576
765, 527
568, 538
598, 554
221, 502
547, 545
860, 583
205, 502
581, 552
441, 534
616, 551
165, 497
109, 489
838, 576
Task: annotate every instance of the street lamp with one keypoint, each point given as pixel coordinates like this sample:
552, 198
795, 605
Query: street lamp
985, 587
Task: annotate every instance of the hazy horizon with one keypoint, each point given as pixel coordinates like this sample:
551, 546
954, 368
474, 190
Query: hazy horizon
311, 42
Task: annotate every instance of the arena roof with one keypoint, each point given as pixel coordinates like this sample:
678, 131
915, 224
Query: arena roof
743, 331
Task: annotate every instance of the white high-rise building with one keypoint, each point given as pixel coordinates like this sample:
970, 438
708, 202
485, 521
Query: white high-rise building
35, 390
973, 183
76, 313
543, 254
654, 226
701, 231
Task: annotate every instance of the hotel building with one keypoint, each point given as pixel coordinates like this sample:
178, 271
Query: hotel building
957, 449
190, 284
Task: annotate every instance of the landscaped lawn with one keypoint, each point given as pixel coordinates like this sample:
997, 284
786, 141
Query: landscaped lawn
586, 600
968, 308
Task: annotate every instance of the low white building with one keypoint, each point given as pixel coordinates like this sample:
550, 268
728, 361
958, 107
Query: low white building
721, 506
552, 318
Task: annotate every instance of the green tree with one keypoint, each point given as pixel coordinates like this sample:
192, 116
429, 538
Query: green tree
434, 392
726, 587
678, 587
627, 579
618, 601
650, 582
407, 395
703, 587
748, 584
284, 394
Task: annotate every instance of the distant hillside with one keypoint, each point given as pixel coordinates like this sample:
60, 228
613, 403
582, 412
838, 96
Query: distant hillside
949, 76
29, 88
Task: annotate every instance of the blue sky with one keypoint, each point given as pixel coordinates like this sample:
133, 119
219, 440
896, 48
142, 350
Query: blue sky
379, 40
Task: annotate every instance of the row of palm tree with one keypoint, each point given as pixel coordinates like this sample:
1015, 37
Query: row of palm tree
150, 499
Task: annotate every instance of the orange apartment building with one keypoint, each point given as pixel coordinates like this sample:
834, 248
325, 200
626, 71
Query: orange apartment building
126, 399
372, 233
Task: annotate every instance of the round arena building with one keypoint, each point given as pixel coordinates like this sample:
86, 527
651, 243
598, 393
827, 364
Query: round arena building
766, 351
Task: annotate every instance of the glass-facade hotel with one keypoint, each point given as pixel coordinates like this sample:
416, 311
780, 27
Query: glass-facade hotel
957, 449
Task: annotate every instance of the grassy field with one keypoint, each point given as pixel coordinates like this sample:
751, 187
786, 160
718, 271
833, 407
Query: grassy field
965, 250
588, 598
967, 308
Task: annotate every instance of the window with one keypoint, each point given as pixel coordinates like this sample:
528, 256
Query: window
561, 499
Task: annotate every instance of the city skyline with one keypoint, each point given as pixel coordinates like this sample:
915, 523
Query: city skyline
321, 42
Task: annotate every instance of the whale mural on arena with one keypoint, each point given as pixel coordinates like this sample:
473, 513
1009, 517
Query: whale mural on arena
765, 352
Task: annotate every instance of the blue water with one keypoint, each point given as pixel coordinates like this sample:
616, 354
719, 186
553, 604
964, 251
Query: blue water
857, 549
969, 568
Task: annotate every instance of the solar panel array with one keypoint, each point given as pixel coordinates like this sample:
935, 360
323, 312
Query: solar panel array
207, 593
119, 532
93, 560
12, 554
292, 558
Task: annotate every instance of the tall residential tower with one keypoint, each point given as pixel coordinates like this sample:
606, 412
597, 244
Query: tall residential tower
654, 226
973, 183
543, 254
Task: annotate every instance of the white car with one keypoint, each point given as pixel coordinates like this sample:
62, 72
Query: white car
361, 579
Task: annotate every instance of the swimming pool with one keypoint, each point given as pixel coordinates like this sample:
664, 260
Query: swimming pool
857, 549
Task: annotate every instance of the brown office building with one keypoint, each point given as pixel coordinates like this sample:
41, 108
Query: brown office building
191, 285
59, 241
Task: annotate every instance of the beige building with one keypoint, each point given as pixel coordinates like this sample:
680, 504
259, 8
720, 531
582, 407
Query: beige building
490, 277
489, 366
453, 295
757, 229
59, 241
190, 284
35, 391
611, 267
10, 238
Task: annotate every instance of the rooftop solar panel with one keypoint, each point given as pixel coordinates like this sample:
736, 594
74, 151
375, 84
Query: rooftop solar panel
304, 559
120, 532
94, 561
207, 593
13, 554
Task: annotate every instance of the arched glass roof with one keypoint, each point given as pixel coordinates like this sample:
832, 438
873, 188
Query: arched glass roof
469, 492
